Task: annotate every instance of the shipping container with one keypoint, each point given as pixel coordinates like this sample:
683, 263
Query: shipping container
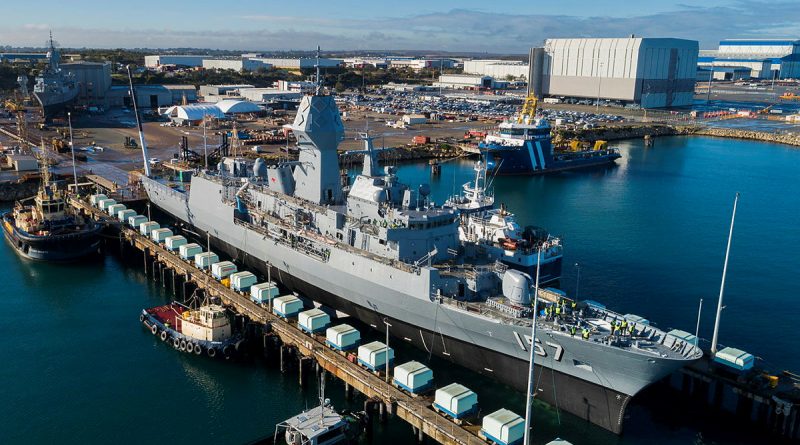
95, 199
174, 242
205, 260
241, 281
342, 337
136, 220
263, 292
146, 228
287, 306
113, 209
503, 427
123, 215
419, 140
374, 356
159, 235
223, 269
103, 204
188, 251
313, 320
413, 376
735, 359
456, 400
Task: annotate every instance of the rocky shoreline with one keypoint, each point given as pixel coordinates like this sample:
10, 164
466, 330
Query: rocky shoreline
655, 130
11, 191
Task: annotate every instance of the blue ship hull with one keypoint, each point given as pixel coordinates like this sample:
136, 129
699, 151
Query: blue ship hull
535, 157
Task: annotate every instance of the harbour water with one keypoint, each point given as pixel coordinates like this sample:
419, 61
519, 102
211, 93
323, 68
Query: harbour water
649, 236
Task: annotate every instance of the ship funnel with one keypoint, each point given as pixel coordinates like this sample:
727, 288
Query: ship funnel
516, 287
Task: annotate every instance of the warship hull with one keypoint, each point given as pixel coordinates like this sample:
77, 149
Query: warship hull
587, 379
53, 104
63, 247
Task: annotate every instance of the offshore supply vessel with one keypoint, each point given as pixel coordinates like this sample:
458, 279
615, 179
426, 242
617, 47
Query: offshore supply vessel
55, 89
523, 146
380, 250
48, 229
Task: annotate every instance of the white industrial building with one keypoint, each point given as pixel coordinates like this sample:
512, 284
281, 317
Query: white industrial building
651, 72
298, 63
268, 94
421, 64
155, 61
759, 68
193, 114
361, 62
207, 91
783, 56
464, 81
239, 65
233, 106
498, 69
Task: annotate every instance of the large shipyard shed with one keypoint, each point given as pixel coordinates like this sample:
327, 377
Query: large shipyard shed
651, 72
232, 106
193, 114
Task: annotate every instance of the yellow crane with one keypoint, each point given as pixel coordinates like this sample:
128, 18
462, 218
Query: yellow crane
528, 110
15, 105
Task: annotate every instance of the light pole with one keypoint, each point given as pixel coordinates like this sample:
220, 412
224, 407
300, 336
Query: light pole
697, 329
72, 148
386, 355
205, 141
599, 83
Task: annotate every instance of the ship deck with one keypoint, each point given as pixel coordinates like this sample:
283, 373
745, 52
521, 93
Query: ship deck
167, 314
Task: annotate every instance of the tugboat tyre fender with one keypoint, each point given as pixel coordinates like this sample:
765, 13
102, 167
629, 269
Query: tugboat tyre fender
189, 347
141, 317
198, 349
211, 352
183, 345
164, 336
176, 343
154, 329
226, 350
238, 345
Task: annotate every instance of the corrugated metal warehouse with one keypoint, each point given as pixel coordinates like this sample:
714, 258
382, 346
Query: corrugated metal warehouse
783, 56
498, 69
154, 61
651, 72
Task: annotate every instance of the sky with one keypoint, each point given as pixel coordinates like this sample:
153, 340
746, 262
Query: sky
506, 26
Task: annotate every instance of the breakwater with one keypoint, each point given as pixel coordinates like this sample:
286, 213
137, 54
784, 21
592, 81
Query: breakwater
654, 130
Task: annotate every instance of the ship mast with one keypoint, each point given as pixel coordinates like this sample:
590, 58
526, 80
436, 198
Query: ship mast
722, 284
529, 396
139, 124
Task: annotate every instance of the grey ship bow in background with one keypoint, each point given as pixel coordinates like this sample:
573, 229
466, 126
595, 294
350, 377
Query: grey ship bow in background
55, 88
380, 249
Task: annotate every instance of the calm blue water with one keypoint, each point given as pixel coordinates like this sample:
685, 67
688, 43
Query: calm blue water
649, 236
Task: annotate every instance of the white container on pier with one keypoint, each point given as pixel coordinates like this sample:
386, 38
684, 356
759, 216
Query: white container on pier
375, 355
263, 292
146, 228
175, 242
287, 306
113, 209
204, 260
413, 377
136, 220
123, 215
223, 269
503, 427
188, 251
456, 400
159, 235
342, 337
241, 281
313, 320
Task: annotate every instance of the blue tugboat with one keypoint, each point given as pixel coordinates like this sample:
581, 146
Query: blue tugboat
48, 229
523, 146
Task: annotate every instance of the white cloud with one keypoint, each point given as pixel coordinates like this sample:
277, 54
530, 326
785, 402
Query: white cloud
456, 30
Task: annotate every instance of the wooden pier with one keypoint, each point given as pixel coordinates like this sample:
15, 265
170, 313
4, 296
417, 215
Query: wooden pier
416, 411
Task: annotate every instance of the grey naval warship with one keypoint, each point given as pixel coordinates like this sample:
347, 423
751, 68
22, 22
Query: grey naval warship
55, 88
380, 250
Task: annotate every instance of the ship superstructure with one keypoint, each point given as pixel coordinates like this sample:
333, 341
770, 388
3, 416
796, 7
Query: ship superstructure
381, 250
497, 231
55, 88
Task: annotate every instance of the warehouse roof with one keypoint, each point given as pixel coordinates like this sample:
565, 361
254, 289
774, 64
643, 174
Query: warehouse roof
194, 112
231, 106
